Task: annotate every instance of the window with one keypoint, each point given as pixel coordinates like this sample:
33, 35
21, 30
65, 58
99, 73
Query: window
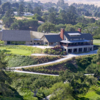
46, 42
76, 39
51, 43
74, 34
17, 42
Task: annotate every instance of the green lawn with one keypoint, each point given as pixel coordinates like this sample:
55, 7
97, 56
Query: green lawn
20, 52
20, 49
17, 51
96, 42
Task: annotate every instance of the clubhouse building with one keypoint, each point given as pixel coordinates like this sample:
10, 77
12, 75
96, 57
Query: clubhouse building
70, 42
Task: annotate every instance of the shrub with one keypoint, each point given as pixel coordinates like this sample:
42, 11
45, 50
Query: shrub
55, 51
18, 60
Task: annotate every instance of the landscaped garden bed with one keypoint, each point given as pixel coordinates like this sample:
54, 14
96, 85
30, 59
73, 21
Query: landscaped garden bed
18, 60
57, 50
53, 68
73, 65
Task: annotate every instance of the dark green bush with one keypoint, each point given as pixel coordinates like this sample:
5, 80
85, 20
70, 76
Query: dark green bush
83, 62
55, 51
96, 37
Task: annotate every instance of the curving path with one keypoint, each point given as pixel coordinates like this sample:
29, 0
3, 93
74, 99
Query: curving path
27, 72
56, 61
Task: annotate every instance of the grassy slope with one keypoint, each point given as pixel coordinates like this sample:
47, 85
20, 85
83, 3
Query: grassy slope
96, 42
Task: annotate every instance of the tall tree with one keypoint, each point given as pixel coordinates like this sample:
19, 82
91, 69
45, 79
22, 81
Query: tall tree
52, 9
37, 17
31, 24
8, 19
63, 17
37, 10
9, 13
60, 3
5, 89
29, 7
6, 6
98, 56
52, 18
46, 27
21, 10
61, 91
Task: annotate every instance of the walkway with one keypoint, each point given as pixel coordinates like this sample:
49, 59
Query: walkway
57, 61
26, 72
43, 55
42, 47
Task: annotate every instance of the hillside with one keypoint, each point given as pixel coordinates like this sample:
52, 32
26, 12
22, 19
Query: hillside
96, 2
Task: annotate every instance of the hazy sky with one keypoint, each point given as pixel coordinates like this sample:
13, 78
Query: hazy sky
68, 0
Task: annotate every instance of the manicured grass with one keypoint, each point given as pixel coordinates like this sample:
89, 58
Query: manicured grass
17, 51
96, 42
21, 49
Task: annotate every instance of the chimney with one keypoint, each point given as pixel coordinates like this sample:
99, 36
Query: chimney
79, 29
62, 34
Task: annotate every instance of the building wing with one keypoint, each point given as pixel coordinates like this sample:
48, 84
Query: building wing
78, 36
53, 38
16, 35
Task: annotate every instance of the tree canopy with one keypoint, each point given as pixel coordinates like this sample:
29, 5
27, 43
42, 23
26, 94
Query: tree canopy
46, 27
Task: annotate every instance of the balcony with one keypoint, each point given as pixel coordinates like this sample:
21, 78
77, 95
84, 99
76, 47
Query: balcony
71, 45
